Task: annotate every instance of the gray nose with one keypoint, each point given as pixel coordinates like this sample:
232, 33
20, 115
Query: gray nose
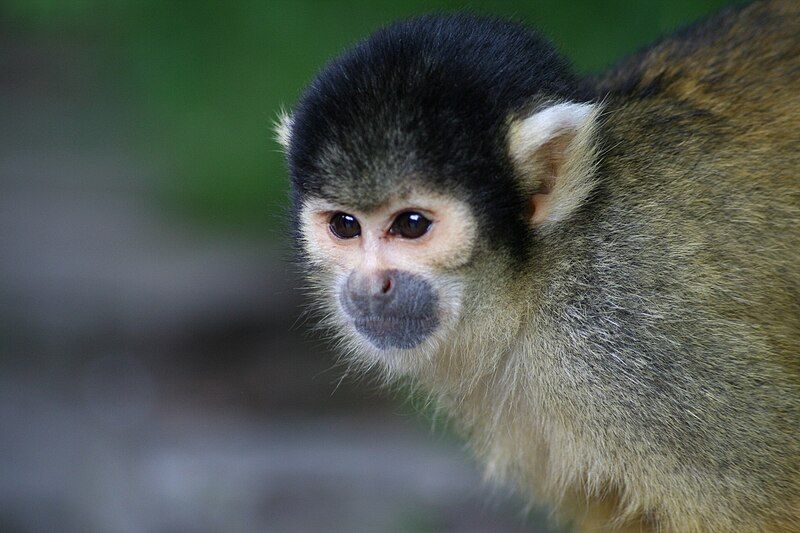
391, 308
371, 294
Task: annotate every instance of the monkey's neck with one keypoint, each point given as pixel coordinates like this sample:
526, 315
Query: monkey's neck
520, 400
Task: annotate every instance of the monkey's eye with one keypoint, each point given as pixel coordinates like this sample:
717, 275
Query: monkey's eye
410, 225
344, 226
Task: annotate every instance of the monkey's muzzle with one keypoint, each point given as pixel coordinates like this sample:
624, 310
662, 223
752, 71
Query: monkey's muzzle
391, 308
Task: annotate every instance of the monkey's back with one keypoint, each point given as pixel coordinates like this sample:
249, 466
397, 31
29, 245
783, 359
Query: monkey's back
742, 63
700, 201
739, 68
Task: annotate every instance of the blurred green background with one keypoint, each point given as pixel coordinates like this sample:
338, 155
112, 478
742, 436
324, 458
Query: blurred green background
157, 372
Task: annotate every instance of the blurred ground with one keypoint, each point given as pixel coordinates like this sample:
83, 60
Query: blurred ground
155, 374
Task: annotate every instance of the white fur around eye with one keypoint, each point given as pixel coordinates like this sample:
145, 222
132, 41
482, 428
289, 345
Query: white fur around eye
447, 245
321, 248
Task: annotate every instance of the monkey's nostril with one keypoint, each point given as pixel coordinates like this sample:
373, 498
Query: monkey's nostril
387, 286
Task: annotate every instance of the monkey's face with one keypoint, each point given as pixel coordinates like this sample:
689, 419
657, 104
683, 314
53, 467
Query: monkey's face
389, 276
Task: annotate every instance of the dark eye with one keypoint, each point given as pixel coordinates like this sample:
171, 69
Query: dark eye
410, 225
344, 226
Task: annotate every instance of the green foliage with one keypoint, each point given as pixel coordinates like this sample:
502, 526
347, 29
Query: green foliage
204, 80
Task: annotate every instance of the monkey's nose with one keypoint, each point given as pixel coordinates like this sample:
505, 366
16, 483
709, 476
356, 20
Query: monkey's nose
373, 291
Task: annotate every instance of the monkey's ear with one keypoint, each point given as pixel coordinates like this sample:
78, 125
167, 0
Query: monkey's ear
553, 151
283, 129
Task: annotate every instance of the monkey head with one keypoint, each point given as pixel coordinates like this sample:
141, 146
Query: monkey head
425, 163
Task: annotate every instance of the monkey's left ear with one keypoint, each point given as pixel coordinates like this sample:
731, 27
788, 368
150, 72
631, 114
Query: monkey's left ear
553, 151
283, 129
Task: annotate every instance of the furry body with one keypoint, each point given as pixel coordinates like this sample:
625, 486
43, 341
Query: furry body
636, 362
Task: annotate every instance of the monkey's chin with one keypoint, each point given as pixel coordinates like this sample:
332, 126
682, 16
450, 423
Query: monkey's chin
392, 333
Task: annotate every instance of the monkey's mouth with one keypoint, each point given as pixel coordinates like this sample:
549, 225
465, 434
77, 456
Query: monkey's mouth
396, 332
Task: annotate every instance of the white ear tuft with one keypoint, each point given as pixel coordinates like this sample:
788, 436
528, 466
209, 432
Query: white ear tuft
283, 129
554, 151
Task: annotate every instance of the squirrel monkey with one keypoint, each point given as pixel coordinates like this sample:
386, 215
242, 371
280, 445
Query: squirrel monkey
598, 278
